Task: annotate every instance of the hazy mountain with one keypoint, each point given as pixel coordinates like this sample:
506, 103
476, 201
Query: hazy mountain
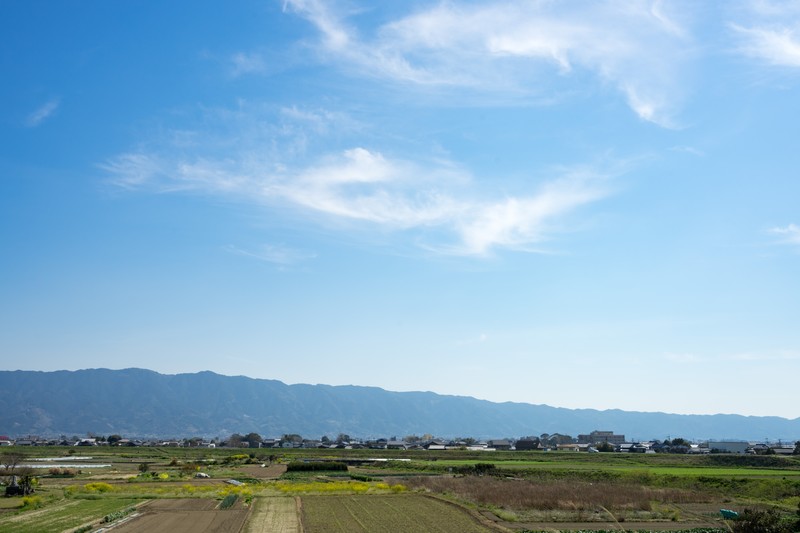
135, 402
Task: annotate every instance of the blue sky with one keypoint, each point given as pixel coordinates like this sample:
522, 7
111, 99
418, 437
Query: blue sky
578, 203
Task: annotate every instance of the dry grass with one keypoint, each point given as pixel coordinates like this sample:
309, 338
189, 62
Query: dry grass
556, 495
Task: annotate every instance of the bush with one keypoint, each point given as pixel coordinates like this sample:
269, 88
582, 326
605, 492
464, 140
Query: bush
228, 501
760, 521
478, 469
316, 466
111, 517
98, 487
31, 502
62, 472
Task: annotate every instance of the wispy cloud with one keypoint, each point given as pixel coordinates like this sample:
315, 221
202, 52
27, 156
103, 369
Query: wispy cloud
771, 32
276, 254
480, 339
743, 357
518, 48
365, 187
788, 234
247, 63
784, 355
42, 113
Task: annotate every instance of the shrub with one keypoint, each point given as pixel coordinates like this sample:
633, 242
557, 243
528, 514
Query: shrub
98, 487
31, 502
316, 466
478, 469
111, 517
61, 472
228, 501
760, 521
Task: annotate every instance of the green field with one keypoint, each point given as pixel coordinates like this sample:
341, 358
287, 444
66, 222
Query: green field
63, 515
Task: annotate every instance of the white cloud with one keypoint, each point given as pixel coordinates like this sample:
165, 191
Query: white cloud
770, 31
519, 48
277, 254
247, 63
42, 113
358, 185
776, 46
788, 234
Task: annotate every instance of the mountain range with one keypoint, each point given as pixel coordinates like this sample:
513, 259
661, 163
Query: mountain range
142, 403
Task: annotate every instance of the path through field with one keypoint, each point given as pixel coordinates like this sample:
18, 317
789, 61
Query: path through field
274, 514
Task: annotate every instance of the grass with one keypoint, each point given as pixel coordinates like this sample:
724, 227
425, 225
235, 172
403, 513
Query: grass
519, 495
63, 515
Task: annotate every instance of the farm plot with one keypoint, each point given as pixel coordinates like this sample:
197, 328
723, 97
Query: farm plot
385, 513
64, 515
273, 515
259, 472
184, 516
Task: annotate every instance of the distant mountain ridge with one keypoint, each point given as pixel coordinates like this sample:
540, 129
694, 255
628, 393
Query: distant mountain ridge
144, 403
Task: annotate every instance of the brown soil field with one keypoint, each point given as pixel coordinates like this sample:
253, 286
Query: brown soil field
268, 472
274, 515
184, 516
390, 513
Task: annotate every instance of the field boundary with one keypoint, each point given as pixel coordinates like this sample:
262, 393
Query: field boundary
298, 502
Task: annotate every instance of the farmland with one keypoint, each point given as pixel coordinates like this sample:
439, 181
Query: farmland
408, 513
157, 489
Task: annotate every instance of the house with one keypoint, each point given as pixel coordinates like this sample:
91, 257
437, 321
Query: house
528, 443
727, 446
396, 445
783, 449
499, 444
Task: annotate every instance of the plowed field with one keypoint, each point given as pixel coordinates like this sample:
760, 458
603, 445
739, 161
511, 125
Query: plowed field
268, 472
184, 516
390, 513
273, 515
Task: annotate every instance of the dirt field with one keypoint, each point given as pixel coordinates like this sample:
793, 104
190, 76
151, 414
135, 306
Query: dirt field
184, 516
385, 513
269, 472
273, 515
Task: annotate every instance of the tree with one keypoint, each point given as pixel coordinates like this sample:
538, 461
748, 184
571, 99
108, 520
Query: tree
342, 437
325, 439
113, 439
11, 460
796, 448
605, 447
235, 441
292, 437
253, 439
